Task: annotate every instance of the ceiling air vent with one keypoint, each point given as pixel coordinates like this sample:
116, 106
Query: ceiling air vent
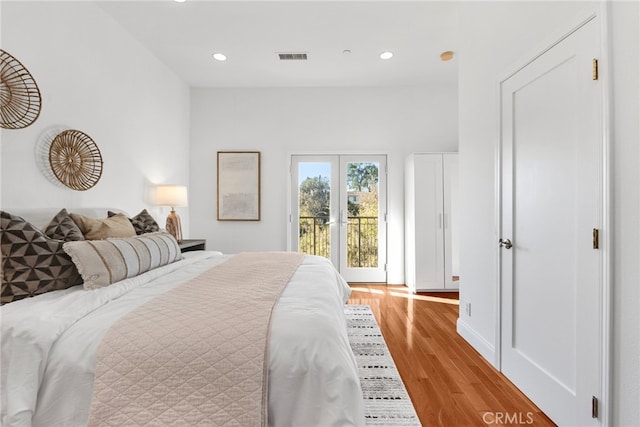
292, 56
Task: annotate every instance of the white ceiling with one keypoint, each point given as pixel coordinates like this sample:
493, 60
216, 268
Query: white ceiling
250, 33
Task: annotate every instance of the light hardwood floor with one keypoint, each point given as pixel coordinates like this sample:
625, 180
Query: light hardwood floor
450, 384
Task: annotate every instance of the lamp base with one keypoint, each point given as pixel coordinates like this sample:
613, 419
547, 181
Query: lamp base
174, 226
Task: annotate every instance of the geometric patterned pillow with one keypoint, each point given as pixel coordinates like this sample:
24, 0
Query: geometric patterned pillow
32, 263
62, 227
142, 223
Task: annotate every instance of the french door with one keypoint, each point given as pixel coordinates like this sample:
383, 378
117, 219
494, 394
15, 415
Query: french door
338, 211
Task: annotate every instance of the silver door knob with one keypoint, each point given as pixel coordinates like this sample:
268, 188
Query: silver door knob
506, 243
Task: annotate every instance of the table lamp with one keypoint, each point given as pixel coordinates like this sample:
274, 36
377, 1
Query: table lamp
172, 195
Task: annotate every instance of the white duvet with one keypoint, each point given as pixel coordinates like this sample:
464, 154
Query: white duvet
49, 344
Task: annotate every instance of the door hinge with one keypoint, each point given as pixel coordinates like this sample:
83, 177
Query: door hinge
594, 407
596, 238
594, 69
385, 267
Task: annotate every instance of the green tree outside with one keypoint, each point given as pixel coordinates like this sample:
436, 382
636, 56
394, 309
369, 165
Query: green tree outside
314, 211
315, 195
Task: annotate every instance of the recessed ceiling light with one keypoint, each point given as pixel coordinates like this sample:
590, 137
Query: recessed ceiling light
446, 56
219, 56
346, 51
386, 55
179, 1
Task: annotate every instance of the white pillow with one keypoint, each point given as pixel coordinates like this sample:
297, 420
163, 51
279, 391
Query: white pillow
103, 262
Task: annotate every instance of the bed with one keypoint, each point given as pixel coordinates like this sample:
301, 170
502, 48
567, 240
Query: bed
50, 342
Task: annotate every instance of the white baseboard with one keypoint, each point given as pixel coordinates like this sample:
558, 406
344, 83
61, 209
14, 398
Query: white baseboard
481, 345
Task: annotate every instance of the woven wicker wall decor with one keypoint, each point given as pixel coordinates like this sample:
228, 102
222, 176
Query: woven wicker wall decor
75, 159
20, 100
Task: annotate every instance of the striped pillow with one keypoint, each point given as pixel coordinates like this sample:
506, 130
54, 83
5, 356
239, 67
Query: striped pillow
103, 262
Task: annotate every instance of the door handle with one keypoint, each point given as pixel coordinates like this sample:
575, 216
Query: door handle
506, 243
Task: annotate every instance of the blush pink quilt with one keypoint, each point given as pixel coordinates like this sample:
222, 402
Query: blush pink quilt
195, 355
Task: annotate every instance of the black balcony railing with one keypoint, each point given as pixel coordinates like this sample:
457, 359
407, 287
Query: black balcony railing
315, 237
362, 239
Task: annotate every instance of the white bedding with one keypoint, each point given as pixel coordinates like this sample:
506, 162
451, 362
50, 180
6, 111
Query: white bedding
49, 344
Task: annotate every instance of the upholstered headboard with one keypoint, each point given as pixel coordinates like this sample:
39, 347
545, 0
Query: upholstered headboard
40, 217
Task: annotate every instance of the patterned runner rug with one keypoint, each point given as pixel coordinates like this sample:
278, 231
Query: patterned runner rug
386, 402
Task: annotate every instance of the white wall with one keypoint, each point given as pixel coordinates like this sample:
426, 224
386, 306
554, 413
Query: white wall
284, 121
625, 151
497, 36
96, 78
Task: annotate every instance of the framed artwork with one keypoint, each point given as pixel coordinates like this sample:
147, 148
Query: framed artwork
238, 186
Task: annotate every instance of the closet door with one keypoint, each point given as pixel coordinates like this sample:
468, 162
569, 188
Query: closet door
429, 222
450, 182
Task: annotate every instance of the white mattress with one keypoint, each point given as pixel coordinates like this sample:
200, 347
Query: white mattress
49, 344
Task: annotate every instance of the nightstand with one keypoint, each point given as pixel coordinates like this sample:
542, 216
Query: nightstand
188, 245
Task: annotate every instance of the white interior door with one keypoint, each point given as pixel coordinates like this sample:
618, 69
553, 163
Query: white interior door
551, 194
338, 210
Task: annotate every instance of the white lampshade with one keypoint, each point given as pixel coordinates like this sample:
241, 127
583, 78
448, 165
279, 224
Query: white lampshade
171, 195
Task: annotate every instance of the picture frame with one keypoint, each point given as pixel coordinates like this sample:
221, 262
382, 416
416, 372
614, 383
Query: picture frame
238, 186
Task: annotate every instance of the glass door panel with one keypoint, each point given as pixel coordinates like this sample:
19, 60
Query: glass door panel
363, 209
314, 204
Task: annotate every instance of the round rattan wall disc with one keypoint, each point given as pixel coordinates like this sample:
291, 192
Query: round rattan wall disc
20, 100
75, 159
